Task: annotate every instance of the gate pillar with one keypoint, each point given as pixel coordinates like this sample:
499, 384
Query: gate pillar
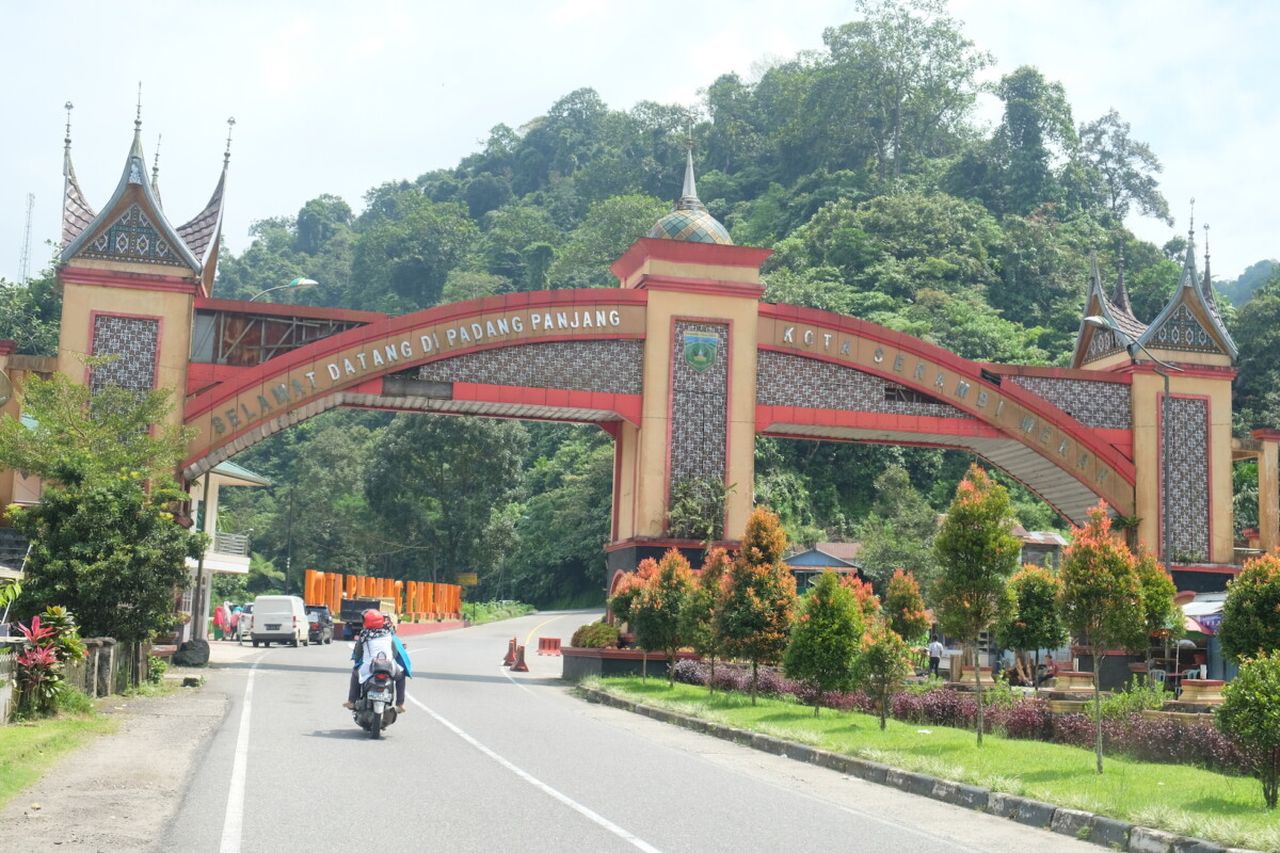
697, 428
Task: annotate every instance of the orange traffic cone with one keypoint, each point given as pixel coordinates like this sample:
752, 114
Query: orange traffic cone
511, 653
519, 665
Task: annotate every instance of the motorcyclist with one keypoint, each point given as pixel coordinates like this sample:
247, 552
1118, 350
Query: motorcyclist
377, 637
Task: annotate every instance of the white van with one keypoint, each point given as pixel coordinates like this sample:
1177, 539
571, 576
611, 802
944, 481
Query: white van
278, 619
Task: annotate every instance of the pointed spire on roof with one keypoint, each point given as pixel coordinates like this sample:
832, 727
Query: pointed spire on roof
155, 172
1190, 321
1206, 286
689, 194
66, 143
226, 155
202, 232
76, 212
1095, 277
1121, 296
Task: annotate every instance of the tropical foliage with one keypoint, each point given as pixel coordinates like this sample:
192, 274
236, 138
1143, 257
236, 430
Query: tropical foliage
1249, 624
977, 552
755, 616
1250, 713
1102, 597
824, 640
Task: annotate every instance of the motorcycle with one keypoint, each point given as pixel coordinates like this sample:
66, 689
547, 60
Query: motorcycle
374, 709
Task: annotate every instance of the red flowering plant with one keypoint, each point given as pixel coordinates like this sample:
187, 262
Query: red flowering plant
39, 672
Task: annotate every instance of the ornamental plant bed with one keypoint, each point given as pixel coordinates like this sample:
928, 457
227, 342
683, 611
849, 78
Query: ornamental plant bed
1177, 798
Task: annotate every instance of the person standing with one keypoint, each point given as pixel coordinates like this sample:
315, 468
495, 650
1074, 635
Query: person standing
935, 656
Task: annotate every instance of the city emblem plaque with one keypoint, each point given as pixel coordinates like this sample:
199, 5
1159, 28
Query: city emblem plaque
700, 350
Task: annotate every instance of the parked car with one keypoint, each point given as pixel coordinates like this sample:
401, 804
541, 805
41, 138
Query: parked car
279, 619
319, 623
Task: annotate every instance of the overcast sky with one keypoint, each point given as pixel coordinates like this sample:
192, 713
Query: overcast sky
338, 97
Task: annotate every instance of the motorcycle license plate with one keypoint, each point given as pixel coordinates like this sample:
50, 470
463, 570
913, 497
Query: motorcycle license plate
383, 695
275, 627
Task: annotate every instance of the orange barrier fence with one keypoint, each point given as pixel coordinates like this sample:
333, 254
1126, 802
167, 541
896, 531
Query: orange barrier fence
549, 646
414, 599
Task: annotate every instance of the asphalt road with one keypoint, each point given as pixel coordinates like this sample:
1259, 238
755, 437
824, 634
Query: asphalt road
486, 760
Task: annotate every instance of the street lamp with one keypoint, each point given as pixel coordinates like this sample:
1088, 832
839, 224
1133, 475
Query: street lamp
1162, 368
294, 285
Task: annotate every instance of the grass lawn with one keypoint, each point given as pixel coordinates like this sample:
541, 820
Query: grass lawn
28, 749
1178, 798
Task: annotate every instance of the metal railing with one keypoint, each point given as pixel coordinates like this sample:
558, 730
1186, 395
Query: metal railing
231, 544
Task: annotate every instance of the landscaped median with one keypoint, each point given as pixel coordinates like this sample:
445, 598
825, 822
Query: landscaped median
1134, 805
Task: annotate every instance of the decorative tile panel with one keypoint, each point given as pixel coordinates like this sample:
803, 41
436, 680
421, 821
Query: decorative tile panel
612, 367
1182, 331
133, 237
700, 401
1102, 344
135, 342
792, 380
1105, 405
1186, 495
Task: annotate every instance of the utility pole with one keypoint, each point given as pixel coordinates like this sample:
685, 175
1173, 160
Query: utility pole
24, 265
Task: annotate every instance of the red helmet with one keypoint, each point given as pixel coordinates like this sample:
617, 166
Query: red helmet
373, 618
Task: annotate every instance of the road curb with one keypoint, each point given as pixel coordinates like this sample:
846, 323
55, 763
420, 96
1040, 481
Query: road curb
1097, 829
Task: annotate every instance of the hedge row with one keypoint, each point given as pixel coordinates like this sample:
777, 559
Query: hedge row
1161, 740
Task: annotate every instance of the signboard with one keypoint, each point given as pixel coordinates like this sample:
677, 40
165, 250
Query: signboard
468, 579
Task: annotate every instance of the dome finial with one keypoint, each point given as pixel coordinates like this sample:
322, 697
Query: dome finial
690, 190
137, 119
226, 155
1191, 226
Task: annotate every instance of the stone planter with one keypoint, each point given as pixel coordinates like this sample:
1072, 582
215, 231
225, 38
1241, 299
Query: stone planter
581, 663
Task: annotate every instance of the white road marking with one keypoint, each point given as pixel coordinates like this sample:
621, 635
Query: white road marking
233, 823
598, 819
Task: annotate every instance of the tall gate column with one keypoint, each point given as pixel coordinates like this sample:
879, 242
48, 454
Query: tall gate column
698, 414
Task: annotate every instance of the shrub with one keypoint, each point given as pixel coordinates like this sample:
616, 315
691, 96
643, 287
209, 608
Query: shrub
156, 668
904, 607
595, 635
1249, 623
1029, 720
690, 672
754, 619
1139, 696
881, 665
66, 635
824, 641
1249, 714
72, 700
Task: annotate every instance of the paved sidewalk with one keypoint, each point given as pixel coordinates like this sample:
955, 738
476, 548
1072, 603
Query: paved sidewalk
118, 792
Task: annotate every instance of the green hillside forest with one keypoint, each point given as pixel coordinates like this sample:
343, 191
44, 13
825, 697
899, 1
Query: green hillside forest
862, 165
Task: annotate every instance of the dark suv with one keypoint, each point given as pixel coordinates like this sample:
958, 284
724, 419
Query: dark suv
319, 624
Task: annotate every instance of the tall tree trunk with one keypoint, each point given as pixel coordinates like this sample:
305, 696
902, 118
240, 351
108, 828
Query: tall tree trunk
711, 679
1097, 703
754, 666
817, 702
671, 667
977, 680
644, 664
884, 706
